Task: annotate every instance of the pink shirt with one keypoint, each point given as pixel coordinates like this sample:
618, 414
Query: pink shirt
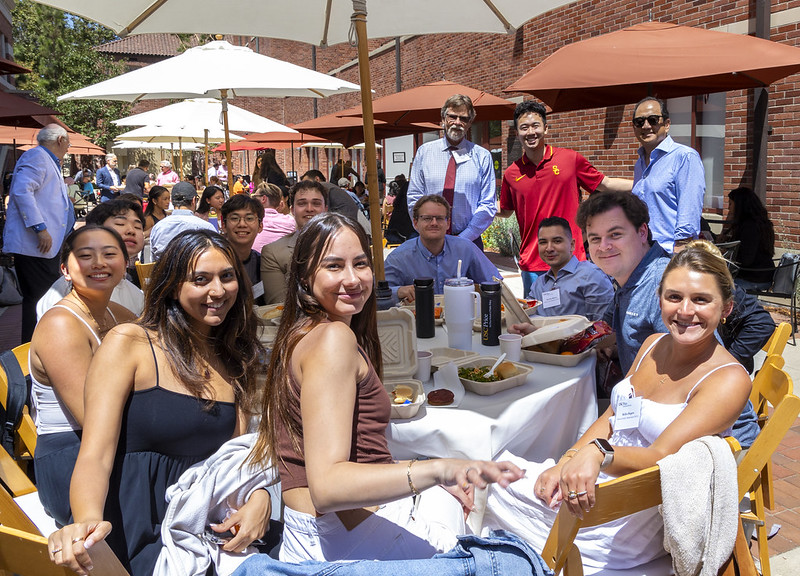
165, 178
276, 225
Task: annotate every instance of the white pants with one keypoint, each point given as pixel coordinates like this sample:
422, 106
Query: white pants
391, 533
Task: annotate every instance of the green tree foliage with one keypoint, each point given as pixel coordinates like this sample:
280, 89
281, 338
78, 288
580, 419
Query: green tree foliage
57, 47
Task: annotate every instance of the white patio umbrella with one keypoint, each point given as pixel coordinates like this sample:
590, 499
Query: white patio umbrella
206, 113
179, 134
322, 22
217, 69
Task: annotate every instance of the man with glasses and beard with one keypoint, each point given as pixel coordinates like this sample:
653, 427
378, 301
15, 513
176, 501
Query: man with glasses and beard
458, 170
668, 176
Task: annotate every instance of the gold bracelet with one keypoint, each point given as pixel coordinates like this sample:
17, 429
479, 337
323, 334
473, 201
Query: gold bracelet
570, 450
414, 490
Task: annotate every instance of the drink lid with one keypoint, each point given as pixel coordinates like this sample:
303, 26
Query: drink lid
490, 287
462, 281
423, 282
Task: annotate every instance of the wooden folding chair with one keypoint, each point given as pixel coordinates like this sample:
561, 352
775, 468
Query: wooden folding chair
777, 342
144, 271
616, 499
771, 386
26, 554
27, 429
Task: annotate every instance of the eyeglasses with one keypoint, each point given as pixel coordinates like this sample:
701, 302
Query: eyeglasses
653, 120
235, 219
454, 117
428, 219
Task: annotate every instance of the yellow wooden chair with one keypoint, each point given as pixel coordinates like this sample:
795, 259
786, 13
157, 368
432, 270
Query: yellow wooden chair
144, 271
616, 499
26, 554
27, 429
772, 386
777, 342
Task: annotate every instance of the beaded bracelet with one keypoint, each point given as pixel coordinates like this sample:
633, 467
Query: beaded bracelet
414, 490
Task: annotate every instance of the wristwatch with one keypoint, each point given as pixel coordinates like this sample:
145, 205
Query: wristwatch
39, 227
607, 450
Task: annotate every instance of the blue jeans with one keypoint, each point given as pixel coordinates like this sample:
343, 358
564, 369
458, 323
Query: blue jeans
500, 554
528, 278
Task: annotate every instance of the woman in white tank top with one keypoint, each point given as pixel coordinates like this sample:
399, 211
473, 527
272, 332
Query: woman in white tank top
93, 260
683, 385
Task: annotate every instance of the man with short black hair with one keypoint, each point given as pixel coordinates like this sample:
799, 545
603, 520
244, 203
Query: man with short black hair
570, 286
184, 199
137, 181
546, 181
307, 198
241, 222
668, 176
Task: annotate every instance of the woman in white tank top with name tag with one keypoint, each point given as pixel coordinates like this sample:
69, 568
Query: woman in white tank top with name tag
93, 260
683, 385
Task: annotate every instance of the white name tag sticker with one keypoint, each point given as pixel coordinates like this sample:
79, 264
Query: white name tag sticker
551, 299
258, 290
628, 413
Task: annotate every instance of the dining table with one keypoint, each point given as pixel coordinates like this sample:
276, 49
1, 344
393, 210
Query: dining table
540, 419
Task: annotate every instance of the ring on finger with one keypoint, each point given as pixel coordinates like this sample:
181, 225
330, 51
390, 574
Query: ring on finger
56, 551
582, 493
79, 539
466, 472
572, 494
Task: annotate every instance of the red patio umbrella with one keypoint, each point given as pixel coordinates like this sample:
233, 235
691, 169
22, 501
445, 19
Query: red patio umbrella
26, 137
424, 104
349, 130
16, 111
9, 67
655, 59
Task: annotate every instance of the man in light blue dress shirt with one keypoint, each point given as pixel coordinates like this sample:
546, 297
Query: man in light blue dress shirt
434, 254
668, 176
474, 189
184, 199
570, 286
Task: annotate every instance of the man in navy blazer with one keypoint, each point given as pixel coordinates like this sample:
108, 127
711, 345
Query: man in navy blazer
39, 217
109, 180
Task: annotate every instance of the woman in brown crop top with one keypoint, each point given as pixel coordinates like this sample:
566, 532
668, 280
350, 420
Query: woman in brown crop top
326, 412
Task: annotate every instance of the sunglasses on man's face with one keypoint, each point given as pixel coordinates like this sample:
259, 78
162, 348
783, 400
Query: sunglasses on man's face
654, 120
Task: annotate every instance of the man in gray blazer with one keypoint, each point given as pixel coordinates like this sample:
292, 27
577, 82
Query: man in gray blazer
307, 198
39, 217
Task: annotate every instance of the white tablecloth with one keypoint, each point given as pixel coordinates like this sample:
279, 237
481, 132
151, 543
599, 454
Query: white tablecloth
538, 420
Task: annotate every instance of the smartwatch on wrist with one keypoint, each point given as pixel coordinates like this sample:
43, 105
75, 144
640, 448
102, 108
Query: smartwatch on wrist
606, 449
39, 227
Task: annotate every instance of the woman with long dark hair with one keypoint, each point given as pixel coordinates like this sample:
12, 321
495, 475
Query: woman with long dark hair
93, 262
325, 416
212, 198
267, 170
161, 395
158, 199
749, 222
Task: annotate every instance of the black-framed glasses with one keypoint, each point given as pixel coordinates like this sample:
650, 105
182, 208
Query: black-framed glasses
454, 117
654, 120
235, 219
428, 219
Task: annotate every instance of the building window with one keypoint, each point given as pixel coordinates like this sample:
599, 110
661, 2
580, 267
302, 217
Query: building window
699, 122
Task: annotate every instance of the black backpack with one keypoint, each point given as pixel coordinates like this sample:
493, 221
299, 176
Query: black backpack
19, 388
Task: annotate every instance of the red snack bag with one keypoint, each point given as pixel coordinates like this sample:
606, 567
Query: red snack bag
586, 339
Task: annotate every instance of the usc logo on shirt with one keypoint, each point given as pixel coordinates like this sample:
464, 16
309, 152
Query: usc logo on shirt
556, 171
